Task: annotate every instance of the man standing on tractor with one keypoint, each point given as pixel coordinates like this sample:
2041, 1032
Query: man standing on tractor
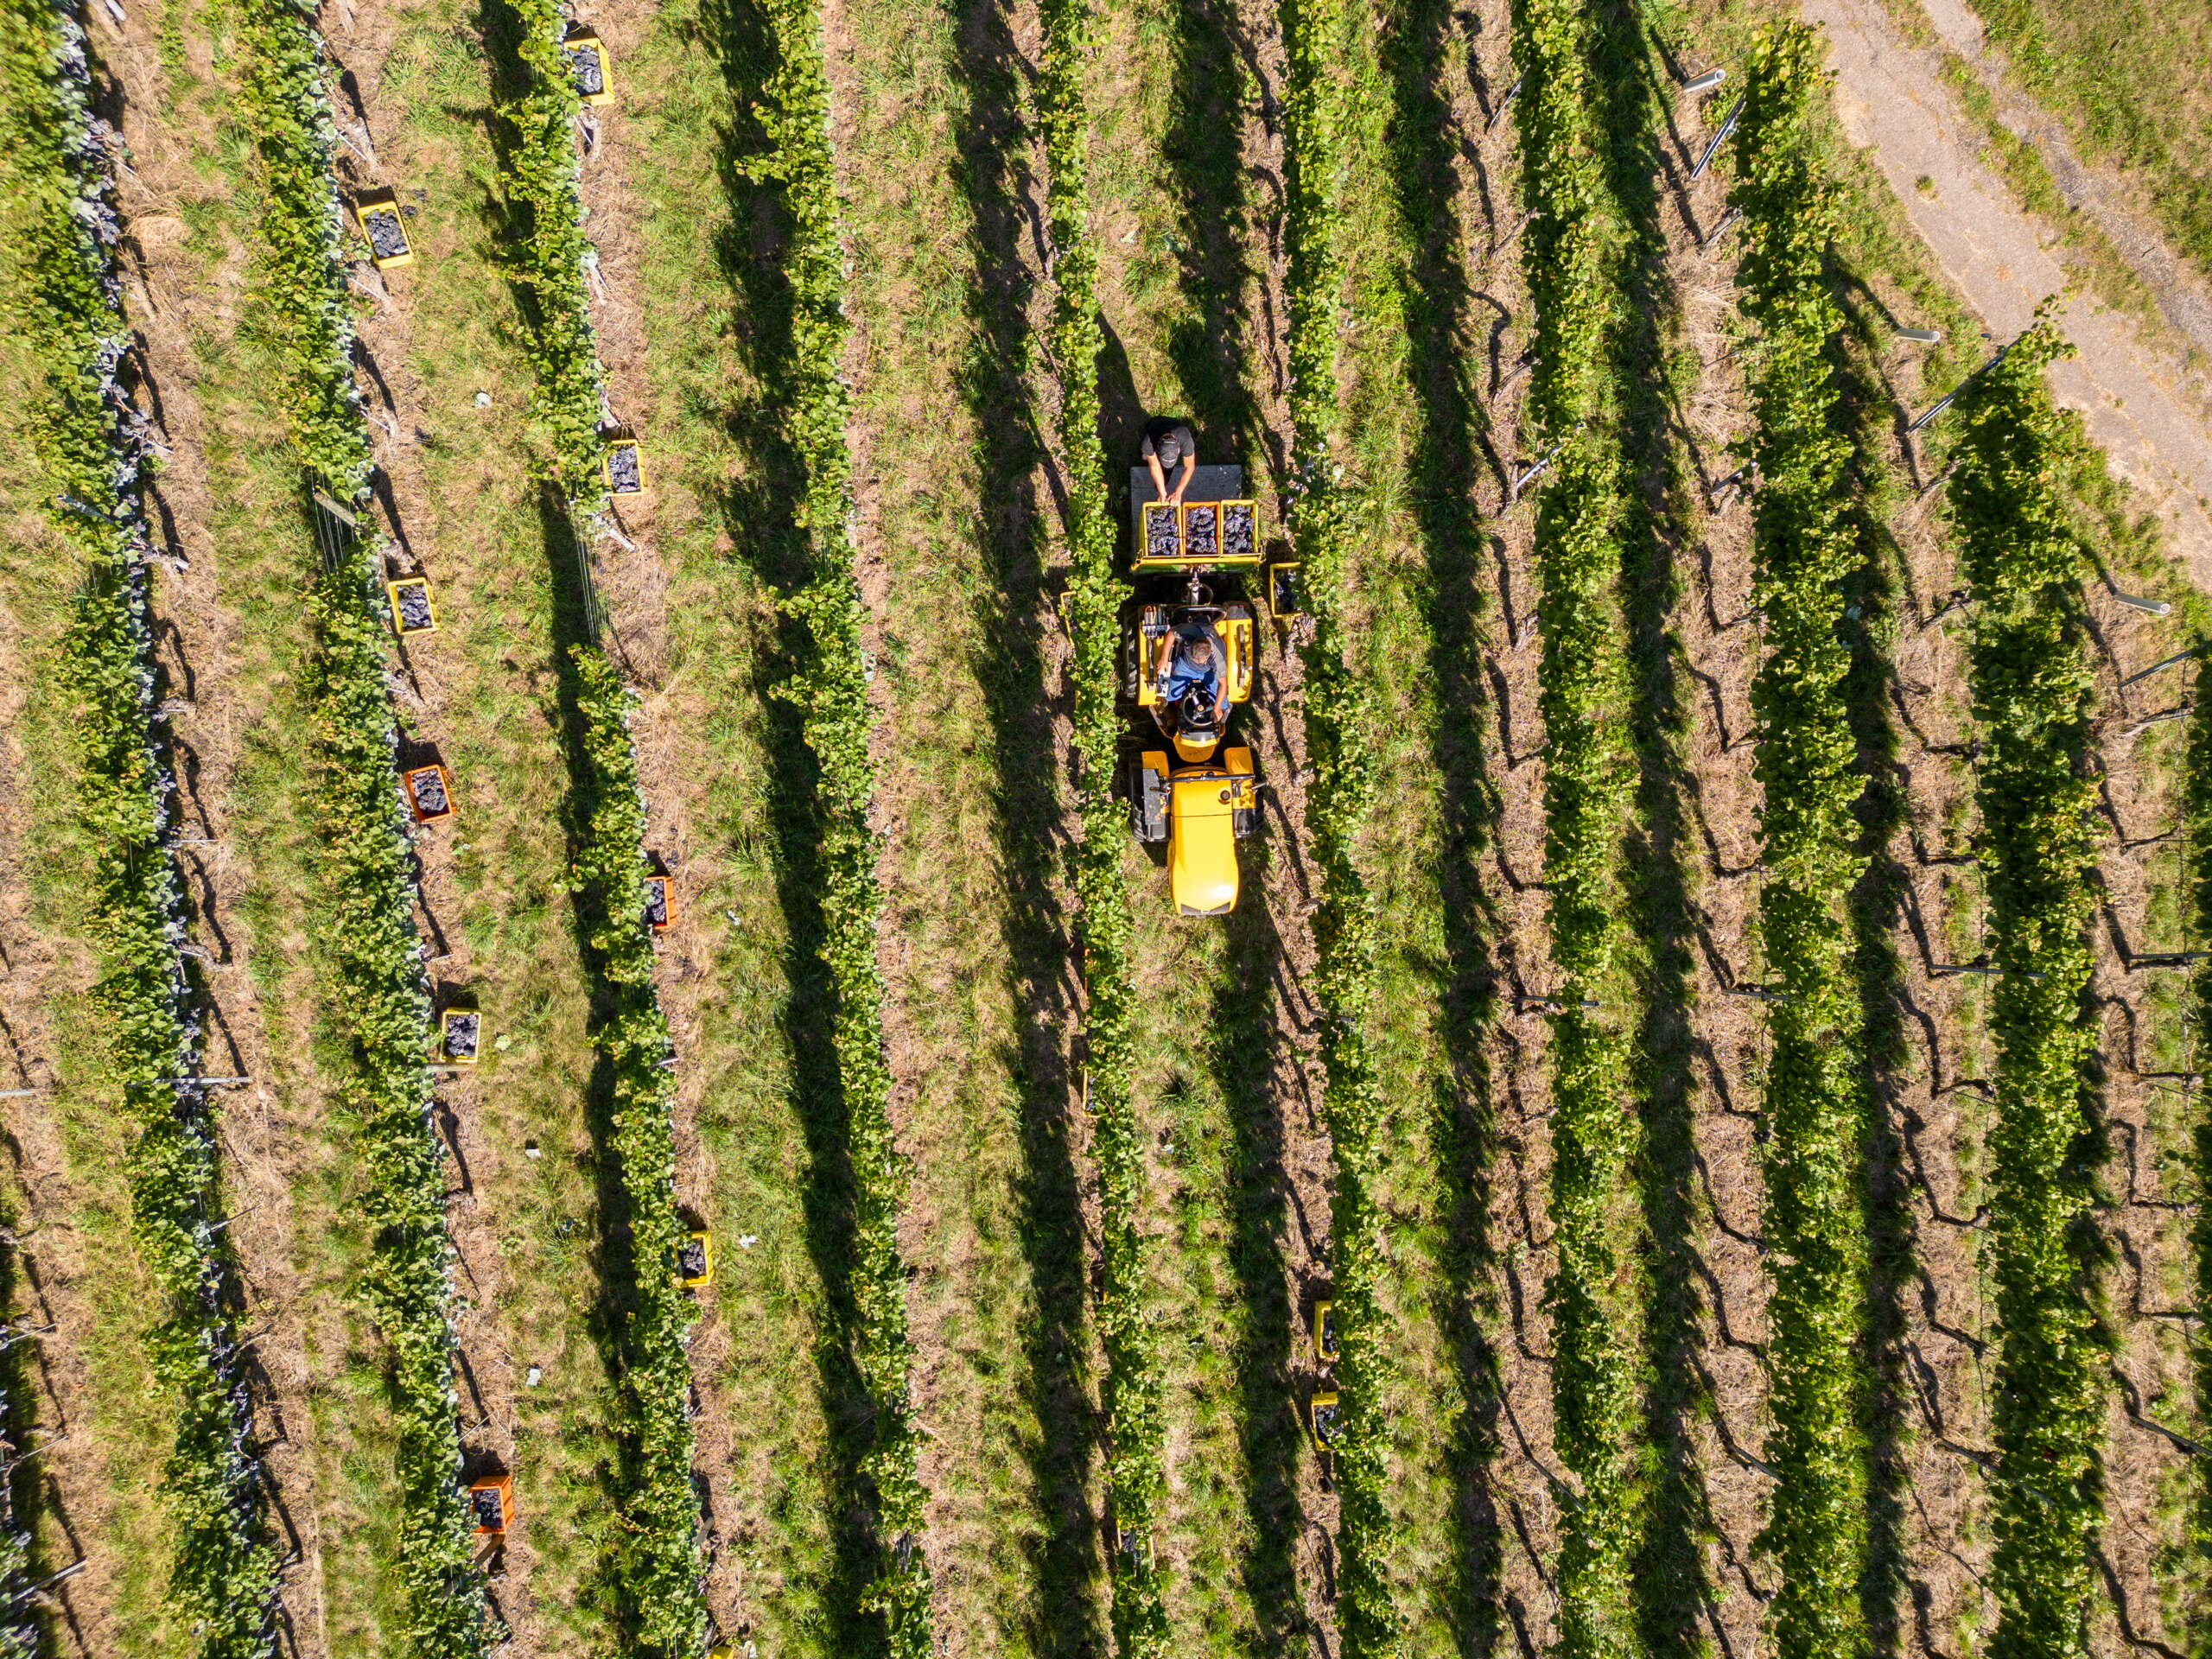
1189, 665
1167, 442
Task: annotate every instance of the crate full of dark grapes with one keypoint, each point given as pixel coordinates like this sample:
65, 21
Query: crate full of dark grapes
660, 902
625, 468
492, 1503
1163, 535
461, 1036
1202, 530
412, 611
694, 1262
429, 794
379, 216
588, 64
1240, 531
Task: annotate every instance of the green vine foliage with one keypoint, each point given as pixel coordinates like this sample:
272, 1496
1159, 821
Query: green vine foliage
1805, 548
2023, 558
1339, 732
831, 689
1135, 1392
551, 259
61, 229
659, 1564
375, 989
1568, 255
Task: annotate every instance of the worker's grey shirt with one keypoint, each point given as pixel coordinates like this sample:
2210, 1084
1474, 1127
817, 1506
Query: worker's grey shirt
1170, 444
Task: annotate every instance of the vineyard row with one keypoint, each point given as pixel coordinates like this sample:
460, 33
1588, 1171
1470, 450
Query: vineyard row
1341, 735
1135, 1481
63, 231
830, 689
1570, 259
1806, 550
376, 987
659, 1566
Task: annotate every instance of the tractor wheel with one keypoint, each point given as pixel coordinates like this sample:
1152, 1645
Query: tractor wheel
1148, 806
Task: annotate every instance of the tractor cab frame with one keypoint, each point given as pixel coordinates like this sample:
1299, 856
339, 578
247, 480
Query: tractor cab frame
1188, 792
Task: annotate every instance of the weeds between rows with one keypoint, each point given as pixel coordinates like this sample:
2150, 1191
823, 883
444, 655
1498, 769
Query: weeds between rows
2023, 557
1342, 793
62, 236
658, 1567
1135, 1481
1572, 413
830, 690
375, 989
1807, 554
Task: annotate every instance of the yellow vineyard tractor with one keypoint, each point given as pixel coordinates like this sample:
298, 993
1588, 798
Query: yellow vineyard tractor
1187, 662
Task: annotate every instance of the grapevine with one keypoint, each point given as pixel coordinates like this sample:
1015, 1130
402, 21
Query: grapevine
659, 1566
1806, 551
1135, 1481
377, 988
831, 689
63, 229
2032, 679
1567, 256
1339, 723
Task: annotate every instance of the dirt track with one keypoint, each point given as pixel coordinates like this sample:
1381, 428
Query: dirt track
2138, 399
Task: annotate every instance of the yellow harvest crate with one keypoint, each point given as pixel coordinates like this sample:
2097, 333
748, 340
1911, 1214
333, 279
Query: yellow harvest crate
588, 62
378, 214
461, 1036
624, 467
413, 610
694, 1263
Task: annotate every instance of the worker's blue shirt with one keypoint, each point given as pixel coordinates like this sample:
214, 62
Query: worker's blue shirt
1184, 676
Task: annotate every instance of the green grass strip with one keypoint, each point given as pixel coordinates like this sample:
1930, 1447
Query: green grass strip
1339, 732
61, 234
1806, 550
1569, 257
2023, 557
375, 989
658, 1568
831, 689
1134, 1455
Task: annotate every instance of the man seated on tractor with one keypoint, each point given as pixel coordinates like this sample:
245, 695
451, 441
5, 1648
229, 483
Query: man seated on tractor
1189, 664
1167, 442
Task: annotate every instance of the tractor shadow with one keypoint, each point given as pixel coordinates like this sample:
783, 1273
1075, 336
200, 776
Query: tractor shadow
1447, 465
1018, 680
